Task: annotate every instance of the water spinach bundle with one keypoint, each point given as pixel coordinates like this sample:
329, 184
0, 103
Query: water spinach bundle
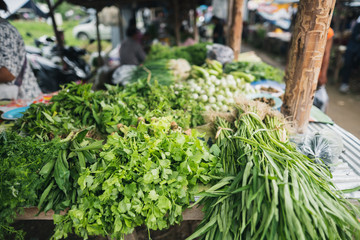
272, 191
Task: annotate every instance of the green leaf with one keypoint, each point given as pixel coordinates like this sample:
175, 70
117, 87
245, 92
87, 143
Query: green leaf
47, 168
93, 146
130, 190
153, 195
48, 117
215, 150
164, 203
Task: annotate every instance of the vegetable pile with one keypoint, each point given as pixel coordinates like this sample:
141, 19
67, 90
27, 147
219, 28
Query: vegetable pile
124, 157
195, 54
214, 89
21, 158
259, 70
271, 191
77, 107
146, 175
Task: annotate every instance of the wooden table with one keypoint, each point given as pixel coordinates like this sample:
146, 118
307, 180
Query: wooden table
194, 213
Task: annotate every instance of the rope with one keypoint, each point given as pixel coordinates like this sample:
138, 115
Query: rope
219, 131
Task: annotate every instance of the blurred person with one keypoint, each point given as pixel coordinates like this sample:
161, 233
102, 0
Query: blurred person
218, 33
131, 52
321, 99
16, 77
352, 56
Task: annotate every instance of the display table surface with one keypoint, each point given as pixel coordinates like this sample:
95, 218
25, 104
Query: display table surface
193, 213
346, 174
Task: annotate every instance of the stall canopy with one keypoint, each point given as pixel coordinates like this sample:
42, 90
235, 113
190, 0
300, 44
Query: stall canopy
14, 6
99, 4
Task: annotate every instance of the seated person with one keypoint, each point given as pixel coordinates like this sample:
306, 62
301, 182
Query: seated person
131, 52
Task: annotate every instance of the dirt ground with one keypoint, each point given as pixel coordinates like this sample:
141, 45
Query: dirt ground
344, 109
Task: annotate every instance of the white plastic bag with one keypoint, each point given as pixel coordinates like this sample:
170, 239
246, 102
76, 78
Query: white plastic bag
321, 98
122, 74
221, 53
323, 147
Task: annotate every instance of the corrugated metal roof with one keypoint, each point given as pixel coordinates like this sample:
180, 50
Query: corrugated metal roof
346, 174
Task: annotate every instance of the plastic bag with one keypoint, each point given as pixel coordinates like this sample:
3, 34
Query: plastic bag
122, 74
323, 147
321, 98
221, 53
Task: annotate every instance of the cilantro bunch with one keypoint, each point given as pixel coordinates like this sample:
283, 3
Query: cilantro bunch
147, 175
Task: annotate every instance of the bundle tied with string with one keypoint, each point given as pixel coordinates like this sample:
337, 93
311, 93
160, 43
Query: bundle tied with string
269, 190
242, 107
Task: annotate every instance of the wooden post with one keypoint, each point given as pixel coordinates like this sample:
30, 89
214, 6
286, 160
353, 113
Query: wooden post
100, 60
177, 22
236, 27
57, 34
195, 28
229, 20
305, 58
57, 4
121, 24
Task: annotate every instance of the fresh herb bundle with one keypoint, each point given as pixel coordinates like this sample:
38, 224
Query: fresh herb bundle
76, 107
60, 175
273, 191
147, 175
21, 159
194, 54
259, 70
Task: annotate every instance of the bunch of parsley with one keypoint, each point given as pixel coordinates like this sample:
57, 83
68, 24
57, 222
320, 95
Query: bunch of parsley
146, 175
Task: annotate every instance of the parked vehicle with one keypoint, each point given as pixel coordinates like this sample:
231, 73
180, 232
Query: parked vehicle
49, 75
54, 67
86, 30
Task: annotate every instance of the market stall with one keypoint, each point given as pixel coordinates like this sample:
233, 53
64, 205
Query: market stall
185, 128
97, 146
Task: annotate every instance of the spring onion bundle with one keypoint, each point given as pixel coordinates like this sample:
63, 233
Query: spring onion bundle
271, 191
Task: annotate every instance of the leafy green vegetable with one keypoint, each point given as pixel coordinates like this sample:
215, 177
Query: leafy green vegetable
195, 54
21, 159
77, 107
260, 70
273, 192
60, 175
147, 175
158, 70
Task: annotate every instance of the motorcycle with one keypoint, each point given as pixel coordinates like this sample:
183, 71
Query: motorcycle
54, 67
49, 75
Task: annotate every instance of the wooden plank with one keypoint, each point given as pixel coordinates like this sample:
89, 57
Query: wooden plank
30, 214
193, 213
305, 59
229, 21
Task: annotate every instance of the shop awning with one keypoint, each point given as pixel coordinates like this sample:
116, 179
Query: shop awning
14, 6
